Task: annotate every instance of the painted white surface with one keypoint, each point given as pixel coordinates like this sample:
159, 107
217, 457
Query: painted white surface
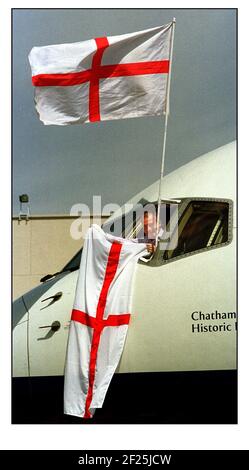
160, 336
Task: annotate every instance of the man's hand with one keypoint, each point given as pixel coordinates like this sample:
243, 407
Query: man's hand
150, 248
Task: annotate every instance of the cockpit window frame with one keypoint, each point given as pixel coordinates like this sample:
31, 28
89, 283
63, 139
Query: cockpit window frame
158, 258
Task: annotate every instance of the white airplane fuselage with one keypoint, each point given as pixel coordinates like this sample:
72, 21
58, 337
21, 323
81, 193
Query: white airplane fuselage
183, 309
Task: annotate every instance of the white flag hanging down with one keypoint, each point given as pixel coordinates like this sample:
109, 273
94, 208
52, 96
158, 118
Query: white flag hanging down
112, 77
100, 318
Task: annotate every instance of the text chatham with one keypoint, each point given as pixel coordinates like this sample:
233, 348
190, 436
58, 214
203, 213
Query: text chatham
197, 316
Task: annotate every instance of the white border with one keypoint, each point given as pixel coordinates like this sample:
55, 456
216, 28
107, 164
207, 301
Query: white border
120, 436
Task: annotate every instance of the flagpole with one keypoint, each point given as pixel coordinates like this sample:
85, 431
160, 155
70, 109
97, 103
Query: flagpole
167, 110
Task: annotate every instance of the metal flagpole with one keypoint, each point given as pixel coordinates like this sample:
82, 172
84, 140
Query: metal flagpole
165, 128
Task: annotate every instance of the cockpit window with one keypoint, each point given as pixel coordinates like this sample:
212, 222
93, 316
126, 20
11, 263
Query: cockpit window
74, 263
131, 225
203, 224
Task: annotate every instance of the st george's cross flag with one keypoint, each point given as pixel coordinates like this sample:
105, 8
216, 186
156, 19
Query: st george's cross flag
112, 77
100, 319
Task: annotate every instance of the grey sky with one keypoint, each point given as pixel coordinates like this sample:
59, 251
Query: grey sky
60, 166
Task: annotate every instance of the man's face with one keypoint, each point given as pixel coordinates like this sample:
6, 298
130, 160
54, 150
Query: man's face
150, 225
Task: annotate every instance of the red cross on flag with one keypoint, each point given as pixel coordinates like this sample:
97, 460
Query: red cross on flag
100, 319
113, 77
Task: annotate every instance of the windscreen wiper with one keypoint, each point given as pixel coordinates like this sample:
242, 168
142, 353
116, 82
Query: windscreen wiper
49, 276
